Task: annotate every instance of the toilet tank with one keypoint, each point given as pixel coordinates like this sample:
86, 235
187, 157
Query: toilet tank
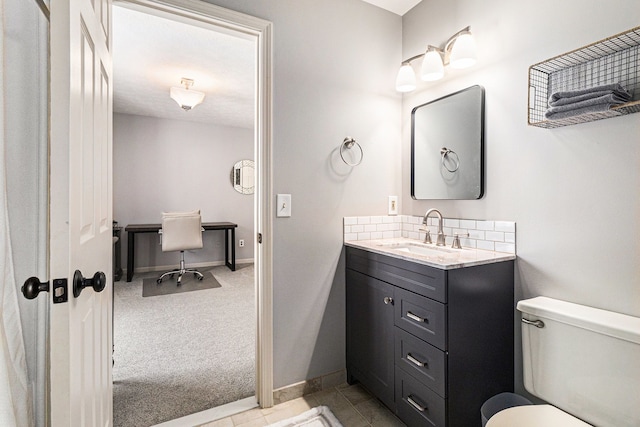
584, 360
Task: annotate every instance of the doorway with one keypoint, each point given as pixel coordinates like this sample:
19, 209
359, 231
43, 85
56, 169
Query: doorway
213, 18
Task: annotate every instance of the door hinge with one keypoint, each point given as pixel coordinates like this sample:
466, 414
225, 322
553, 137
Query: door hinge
259, 237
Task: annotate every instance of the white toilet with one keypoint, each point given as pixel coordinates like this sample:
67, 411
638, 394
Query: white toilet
584, 361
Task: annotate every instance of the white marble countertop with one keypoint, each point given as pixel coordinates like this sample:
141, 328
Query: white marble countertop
442, 257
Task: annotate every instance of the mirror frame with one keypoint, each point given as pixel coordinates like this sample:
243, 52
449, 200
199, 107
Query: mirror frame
236, 176
479, 139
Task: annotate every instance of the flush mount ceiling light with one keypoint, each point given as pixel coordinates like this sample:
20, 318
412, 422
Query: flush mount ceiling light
459, 52
185, 97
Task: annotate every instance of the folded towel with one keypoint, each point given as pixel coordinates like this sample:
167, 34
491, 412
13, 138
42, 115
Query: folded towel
622, 96
595, 108
615, 88
610, 98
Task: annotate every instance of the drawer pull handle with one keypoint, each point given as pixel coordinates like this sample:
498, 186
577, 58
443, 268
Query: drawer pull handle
415, 404
415, 361
388, 300
412, 316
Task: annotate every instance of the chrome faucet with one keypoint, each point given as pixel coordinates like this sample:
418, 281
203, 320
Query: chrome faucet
440, 239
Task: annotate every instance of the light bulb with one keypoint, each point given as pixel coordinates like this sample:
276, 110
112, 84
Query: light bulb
463, 54
406, 80
432, 66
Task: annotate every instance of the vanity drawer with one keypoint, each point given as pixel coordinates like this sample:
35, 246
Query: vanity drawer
421, 279
417, 405
421, 360
420, 316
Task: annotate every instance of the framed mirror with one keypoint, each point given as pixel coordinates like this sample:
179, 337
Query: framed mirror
242, 176
447, 147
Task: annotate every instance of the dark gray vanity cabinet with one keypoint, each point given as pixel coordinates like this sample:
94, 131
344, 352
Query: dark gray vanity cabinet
370, 335
433, 345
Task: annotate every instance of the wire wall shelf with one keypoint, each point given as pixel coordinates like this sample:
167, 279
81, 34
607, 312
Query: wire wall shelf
613, 60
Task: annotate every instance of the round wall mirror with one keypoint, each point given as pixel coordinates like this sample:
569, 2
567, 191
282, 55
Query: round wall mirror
242, 176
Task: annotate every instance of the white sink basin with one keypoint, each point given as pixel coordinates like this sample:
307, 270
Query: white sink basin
420, 248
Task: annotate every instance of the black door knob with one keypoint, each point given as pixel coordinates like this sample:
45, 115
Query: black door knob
33, 286
97, 282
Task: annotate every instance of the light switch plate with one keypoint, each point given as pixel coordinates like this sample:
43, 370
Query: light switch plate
283, 205
393, 205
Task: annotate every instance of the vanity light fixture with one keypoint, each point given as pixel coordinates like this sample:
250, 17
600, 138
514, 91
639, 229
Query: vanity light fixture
459, 52
186, 97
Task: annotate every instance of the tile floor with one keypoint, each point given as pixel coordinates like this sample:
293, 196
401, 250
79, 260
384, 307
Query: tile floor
352, 405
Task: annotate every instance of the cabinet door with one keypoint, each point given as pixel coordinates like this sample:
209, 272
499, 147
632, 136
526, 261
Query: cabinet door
370, 334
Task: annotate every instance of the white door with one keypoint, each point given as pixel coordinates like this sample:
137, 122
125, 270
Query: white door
81, 211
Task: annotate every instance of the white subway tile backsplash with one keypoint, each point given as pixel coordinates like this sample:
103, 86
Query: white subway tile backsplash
350, 220
488, 235
485, 225
467, 243
505, 247
468, 223
414, 220
476, 234
495, 236
388, 234
506, 226
452, 223
364, 220
486, 245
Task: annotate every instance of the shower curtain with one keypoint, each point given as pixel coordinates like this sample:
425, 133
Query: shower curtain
15, 407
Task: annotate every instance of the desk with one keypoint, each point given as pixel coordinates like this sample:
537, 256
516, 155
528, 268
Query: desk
229, 237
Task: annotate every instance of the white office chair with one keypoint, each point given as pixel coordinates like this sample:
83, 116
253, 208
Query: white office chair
181, 231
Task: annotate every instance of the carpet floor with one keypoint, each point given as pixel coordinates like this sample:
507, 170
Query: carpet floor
182, 353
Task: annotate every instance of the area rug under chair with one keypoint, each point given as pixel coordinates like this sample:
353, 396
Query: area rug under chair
320, 416
190, 283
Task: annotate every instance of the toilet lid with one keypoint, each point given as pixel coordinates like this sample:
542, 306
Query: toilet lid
534, 416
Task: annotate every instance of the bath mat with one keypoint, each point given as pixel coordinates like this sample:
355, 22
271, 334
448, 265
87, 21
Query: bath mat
151, 288
319, 416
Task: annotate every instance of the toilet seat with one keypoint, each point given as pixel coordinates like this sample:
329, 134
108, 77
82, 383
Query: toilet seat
534, 416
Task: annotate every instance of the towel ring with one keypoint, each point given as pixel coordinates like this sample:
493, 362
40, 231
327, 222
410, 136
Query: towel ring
348, 144
444, 151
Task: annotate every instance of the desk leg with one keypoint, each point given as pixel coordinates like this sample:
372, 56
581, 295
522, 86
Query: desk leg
130, 249
233, 249
232, 264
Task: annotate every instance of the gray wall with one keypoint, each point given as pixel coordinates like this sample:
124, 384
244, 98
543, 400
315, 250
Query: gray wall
25, 85
573, 191
334, 68
162, 165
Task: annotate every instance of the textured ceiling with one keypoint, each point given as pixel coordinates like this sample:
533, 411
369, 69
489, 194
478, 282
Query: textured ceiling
399, 7
151, 54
